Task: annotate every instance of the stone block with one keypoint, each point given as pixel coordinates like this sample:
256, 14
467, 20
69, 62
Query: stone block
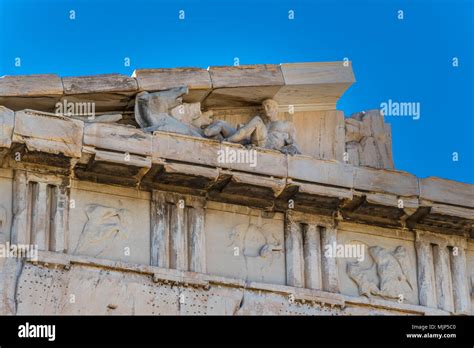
197, 80
310, 169
46, 132
118, 138
388, 181
107, 83
30, 85
447, 191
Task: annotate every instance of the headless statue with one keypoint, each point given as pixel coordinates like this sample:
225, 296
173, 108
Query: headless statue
265, 132
152, 112
191, 115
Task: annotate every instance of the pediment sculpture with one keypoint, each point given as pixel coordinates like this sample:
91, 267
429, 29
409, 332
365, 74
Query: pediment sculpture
153, 112
261, 131
165, 111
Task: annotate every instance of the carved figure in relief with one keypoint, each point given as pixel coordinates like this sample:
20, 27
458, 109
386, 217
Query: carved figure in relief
369, 140
386, 275
103, 226
153, 112
258, 246
191, 115
365, 278
221, 130
266, 132
393, 280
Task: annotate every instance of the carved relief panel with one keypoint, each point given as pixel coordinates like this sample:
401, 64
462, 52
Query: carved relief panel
369, 140
243, 244
109, 222
383, 273
376, 266
105, 227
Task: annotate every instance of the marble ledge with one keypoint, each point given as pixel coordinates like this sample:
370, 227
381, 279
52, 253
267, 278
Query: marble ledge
316, 86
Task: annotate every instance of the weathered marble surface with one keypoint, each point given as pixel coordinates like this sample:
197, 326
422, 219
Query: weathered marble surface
5, 204
245, 247
51, 133
135, 222
62, 285
152, 112
369, 140
110, 223
306, 86
266, 131
385, 273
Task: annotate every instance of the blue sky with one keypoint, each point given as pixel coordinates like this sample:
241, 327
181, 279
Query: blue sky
407, 60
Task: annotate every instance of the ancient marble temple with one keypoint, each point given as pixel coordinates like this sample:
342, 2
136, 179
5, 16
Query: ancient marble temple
229, 190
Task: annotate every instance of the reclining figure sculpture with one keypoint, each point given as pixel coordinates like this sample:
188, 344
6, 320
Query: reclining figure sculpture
153, 112
265, 132
165, 111
191, 115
